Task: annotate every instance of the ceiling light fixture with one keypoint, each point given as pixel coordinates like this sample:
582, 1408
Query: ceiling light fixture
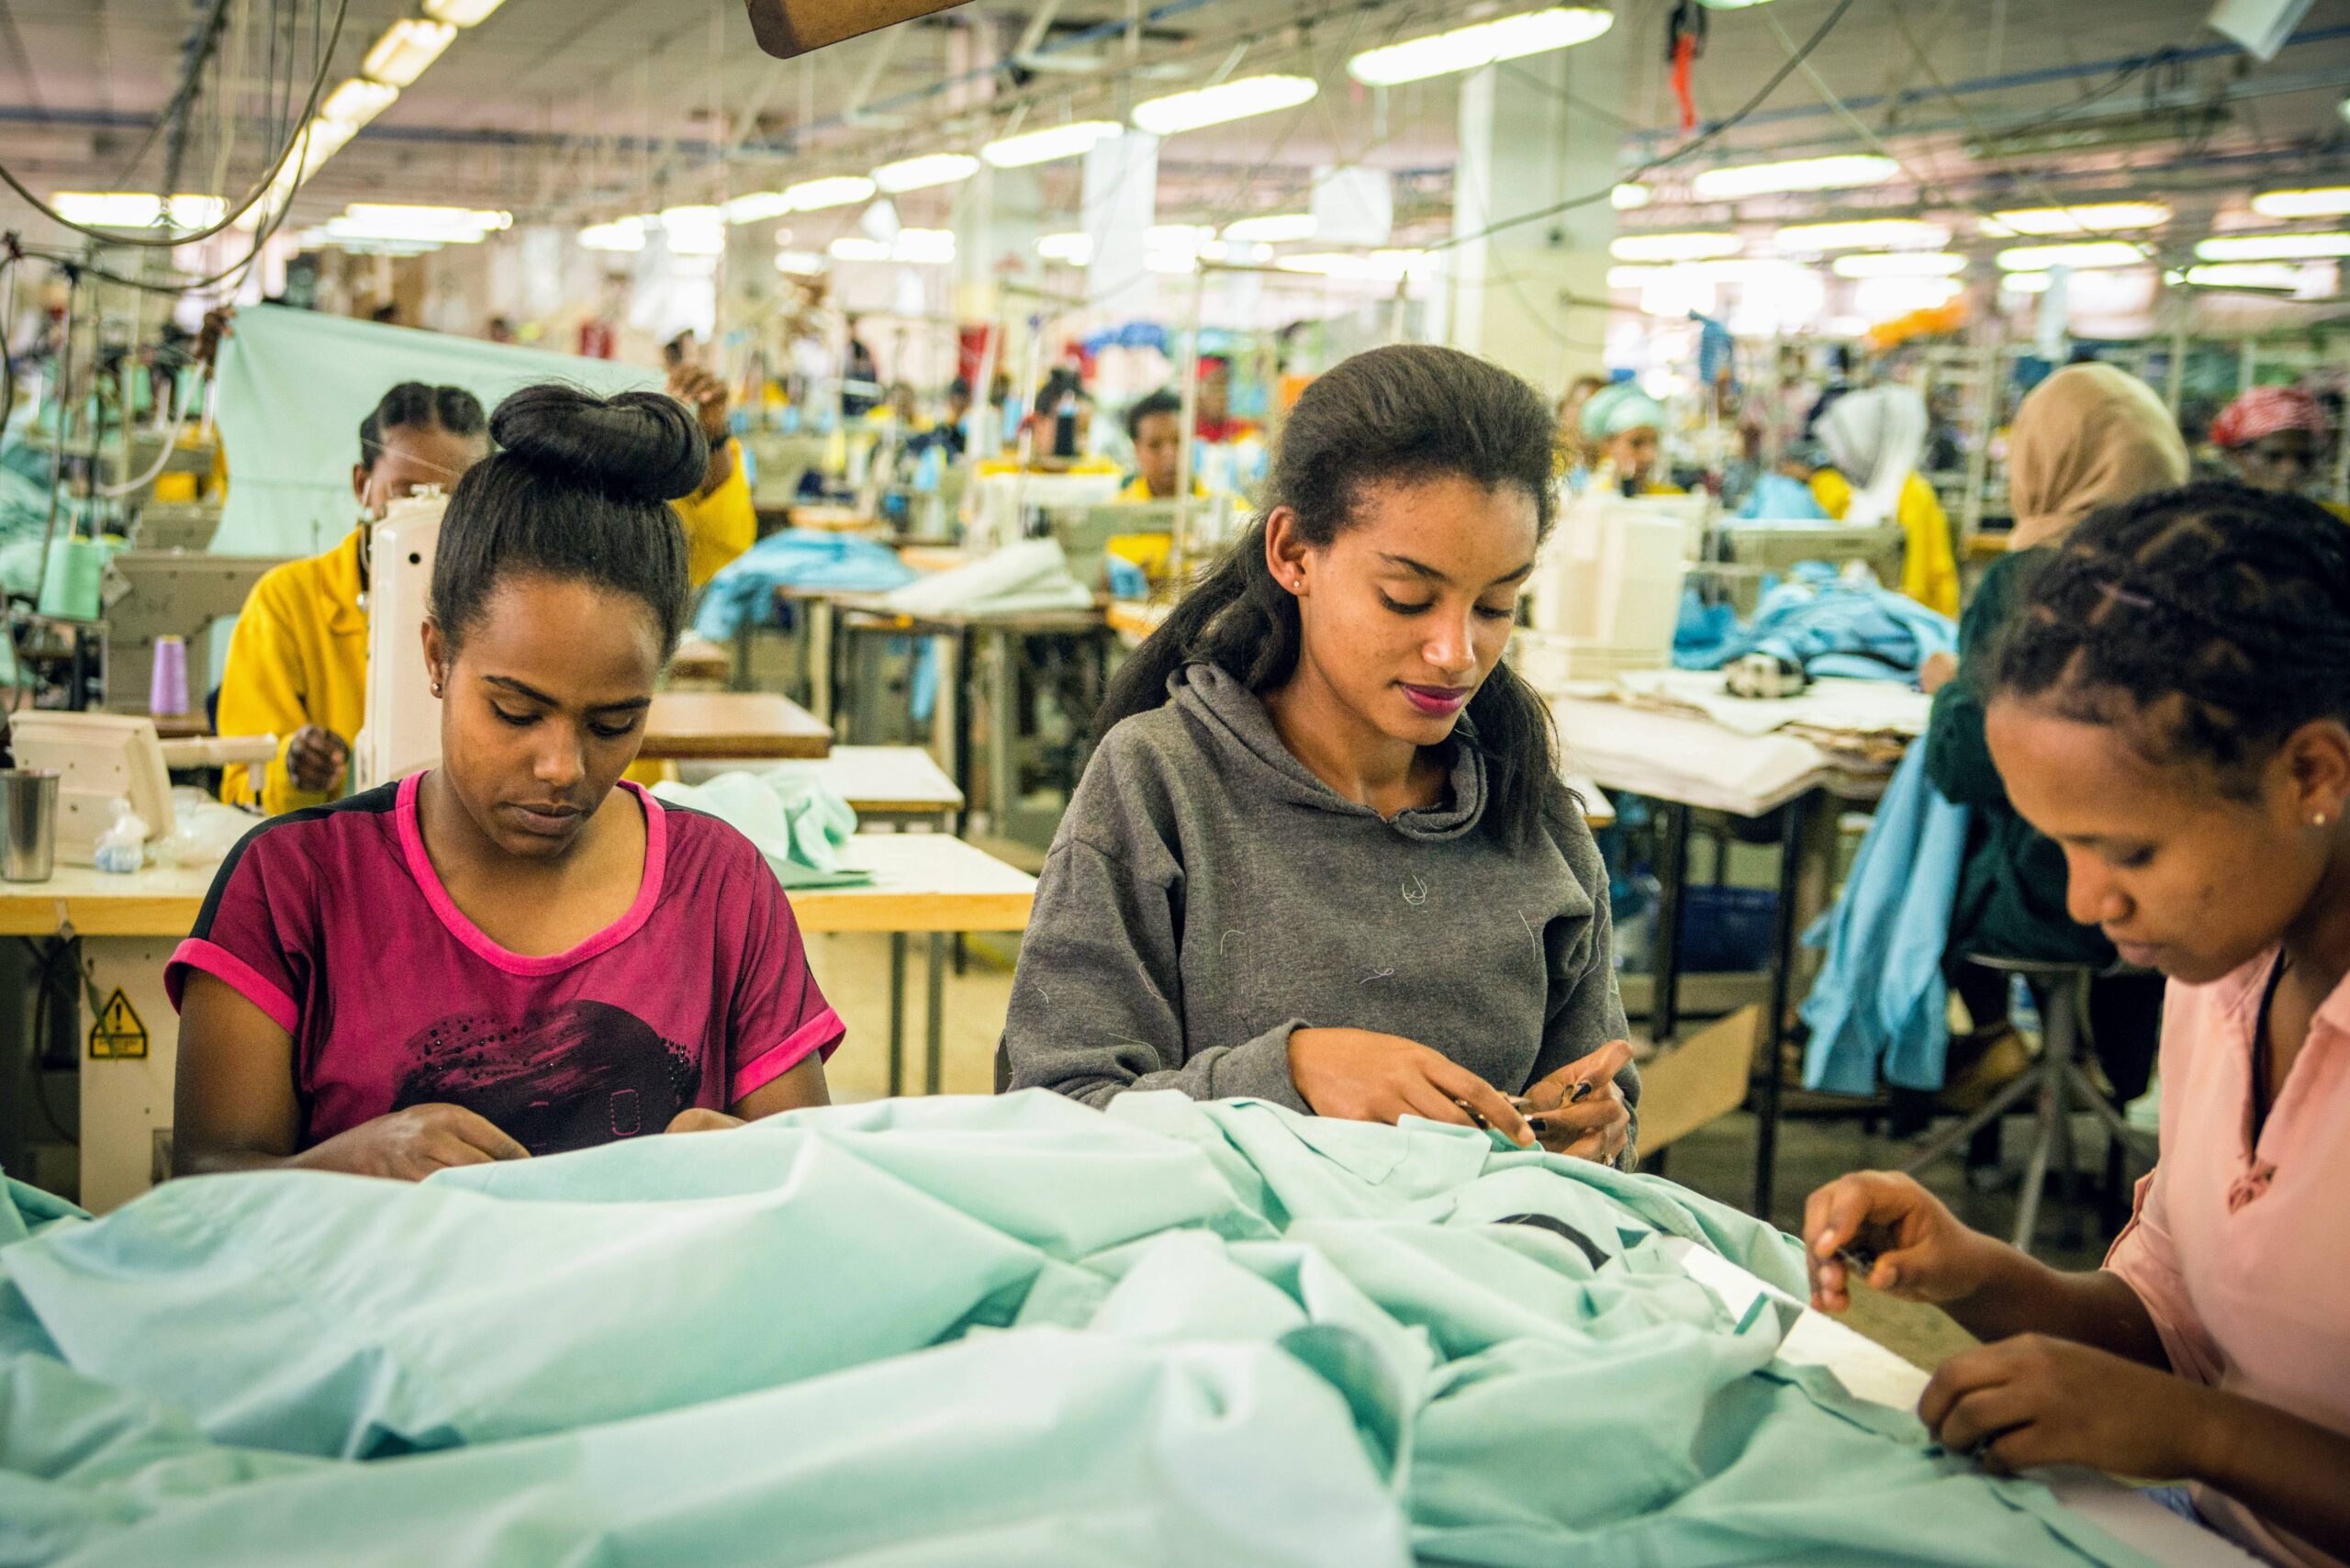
2328, 202
922, 173
358, 100
1373, 266
1862, 234
2091, 217
1480, 44
1673, 246
1204, 106
461, 13
1899, 263
2025, 283
1630, 196
1838, 171
620, 234
1272, 227
694, 230
831, 190
1072, 249
2282, 276
2273, 247
756, 206
1044, 146
406, 46
2094, 256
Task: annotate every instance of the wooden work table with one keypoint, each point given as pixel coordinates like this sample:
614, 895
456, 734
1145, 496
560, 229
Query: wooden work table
686, 726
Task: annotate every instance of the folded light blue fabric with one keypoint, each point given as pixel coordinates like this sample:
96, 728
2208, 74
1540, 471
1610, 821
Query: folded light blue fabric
1881, 1005
1012, 1331
1828, 625
800, 823
743, 590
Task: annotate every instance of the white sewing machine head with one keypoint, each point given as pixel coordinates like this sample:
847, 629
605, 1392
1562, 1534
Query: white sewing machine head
402, 732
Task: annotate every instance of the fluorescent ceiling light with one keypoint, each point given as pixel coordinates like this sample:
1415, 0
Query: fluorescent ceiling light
406, 46
1272, 227
132, 209
461, 13
2025, 283
799, 264
1044, 146
1631, 198
694, 230
1900, 263
2329, 202
1862, 234
2279, 276
347, 228
928, 247
1480, 44
831, 190
1074, 249
756, 206
1375, 266
358, 100
1203, 106
921, 173
423, 216
1673, 246
2093, 217
1886, 296
1740, 269
2273, 247
621, 234
2094, 256
1838, 171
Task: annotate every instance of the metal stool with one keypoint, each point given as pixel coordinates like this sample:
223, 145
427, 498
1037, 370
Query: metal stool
2059, 1076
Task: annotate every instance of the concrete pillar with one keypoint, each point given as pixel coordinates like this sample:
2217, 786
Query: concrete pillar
1532, 297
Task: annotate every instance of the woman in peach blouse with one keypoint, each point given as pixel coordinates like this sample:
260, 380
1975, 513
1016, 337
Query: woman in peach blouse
2173, 708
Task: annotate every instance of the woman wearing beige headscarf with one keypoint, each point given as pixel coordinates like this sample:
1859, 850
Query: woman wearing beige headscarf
2087, 436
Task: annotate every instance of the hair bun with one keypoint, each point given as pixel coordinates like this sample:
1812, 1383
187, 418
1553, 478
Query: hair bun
636, 446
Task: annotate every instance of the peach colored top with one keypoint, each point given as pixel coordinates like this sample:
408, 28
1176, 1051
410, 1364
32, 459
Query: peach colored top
2240, 1250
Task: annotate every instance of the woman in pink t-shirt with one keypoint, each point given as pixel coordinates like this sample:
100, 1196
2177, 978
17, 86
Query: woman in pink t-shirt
515, 953
2173, 708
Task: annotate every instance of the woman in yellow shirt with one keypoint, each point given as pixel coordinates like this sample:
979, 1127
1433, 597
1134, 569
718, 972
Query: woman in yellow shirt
1875, 437
297, 660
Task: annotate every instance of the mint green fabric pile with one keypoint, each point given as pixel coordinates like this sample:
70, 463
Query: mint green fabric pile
1011, 1331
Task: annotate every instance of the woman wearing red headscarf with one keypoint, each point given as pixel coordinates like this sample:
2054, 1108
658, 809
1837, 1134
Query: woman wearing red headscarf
2274, 438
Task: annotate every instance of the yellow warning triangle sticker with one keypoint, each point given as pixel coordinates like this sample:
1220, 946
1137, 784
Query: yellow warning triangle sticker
117, 1035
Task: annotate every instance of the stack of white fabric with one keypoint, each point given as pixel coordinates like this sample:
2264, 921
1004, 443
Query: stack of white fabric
1018, 579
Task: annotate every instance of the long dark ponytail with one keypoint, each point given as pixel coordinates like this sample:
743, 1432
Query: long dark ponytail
1407, 412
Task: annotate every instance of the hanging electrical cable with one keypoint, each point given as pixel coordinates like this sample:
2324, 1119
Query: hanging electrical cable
252, 197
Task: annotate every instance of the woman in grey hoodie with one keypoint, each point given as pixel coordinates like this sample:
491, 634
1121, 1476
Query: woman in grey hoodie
1322, 856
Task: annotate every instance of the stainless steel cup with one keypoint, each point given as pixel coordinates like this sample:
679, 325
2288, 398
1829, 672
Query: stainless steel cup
28, 824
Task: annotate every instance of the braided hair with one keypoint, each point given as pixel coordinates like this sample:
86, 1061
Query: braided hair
412, 405
2211, 622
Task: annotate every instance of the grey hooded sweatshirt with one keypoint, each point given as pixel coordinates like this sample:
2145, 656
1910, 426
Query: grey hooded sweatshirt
1206, 895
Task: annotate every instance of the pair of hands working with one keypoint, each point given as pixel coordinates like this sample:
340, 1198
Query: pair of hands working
2028, 1399
1359, 1075
410, 1145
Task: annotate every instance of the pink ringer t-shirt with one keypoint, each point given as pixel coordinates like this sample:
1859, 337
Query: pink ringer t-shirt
333, 922
2237, 1247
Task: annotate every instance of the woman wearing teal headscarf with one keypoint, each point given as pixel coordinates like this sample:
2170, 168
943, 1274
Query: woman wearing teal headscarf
1624, 426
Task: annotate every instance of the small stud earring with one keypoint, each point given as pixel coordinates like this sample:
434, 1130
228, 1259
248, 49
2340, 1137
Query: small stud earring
436, 689
2318, 821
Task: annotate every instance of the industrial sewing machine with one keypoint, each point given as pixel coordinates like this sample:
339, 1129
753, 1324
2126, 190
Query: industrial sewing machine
402, 732
169, 592
101, 760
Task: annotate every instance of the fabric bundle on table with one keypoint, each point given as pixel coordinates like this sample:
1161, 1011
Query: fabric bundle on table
1823, 622
800, 823
1018, 579
958, 1331
743, 590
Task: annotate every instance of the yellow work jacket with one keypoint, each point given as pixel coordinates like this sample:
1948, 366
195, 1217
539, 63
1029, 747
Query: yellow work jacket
1929, 564
719, 526
298, 656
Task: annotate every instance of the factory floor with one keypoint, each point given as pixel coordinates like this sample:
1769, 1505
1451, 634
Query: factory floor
1716, 1161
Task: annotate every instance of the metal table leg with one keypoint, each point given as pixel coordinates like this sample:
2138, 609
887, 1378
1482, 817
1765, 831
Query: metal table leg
896, 1013
1671, 874
935, 1069
1782, 964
